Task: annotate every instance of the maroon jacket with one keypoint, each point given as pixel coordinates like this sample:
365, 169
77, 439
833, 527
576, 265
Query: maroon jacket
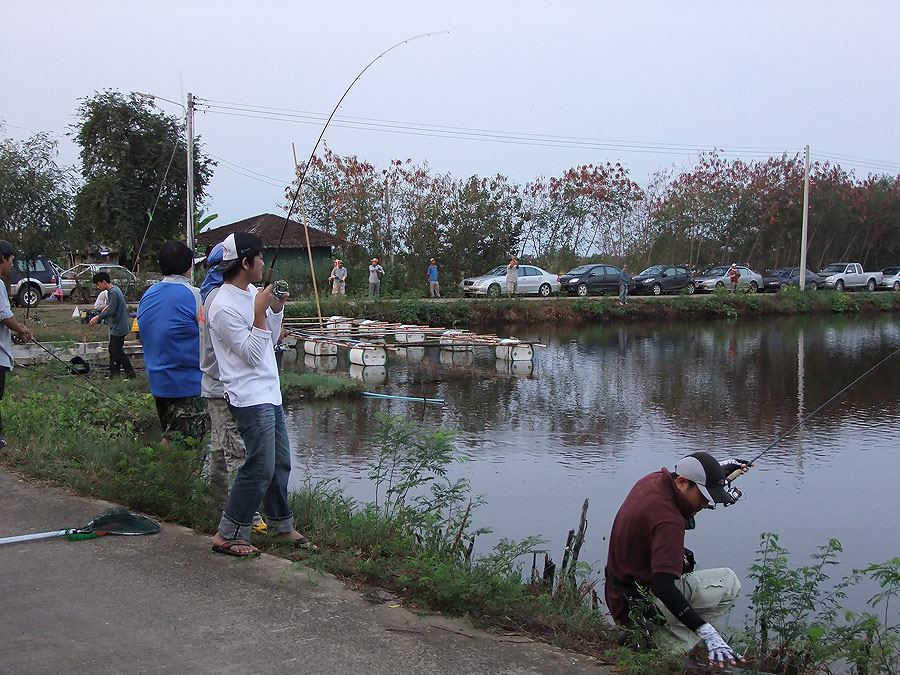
647, 537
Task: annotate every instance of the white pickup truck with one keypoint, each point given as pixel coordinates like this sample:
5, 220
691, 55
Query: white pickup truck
850, 275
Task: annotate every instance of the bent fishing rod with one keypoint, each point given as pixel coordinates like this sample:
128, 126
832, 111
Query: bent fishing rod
312, 155
734, 492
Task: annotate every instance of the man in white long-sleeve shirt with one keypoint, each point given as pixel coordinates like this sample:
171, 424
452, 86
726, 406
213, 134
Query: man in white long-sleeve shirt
242, 324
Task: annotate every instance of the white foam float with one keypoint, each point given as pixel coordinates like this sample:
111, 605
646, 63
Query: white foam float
368, 354
511, 349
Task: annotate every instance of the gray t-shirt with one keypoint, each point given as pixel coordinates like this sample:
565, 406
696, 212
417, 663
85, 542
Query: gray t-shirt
375, 272
116, 313
210, 384
6, 349
339, 273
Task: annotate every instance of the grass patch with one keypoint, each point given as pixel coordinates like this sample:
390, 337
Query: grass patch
319, 386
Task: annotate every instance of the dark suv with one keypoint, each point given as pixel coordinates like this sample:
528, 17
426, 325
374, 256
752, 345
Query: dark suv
31, 279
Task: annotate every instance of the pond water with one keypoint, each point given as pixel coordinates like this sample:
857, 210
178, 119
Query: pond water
602, 406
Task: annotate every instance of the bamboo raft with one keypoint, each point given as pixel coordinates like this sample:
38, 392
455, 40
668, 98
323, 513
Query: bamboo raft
369, 340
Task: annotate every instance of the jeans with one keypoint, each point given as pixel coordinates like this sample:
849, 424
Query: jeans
3, 371
623, 293
117, 357
263, 477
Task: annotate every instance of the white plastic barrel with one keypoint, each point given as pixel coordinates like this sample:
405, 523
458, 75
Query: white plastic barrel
317, 348
451, 339
512, 350
368, 374
368, 355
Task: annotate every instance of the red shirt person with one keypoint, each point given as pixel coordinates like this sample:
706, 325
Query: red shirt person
734, 276
646, 551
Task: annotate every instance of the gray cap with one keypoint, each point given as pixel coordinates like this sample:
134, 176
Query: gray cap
707, 473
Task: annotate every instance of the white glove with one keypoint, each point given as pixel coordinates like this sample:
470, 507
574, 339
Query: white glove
719, 651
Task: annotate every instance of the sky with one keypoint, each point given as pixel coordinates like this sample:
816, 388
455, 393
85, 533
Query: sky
523, 88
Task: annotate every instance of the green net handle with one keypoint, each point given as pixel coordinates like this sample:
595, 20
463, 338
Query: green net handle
80, 535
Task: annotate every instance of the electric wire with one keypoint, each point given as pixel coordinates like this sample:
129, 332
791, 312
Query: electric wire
252, 111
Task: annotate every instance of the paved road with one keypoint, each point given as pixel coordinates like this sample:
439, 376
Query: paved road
167, 604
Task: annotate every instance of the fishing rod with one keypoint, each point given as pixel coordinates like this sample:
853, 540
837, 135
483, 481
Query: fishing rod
319, 140
736, 493
87, 379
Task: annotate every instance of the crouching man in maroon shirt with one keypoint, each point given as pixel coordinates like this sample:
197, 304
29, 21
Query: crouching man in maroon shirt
647, 553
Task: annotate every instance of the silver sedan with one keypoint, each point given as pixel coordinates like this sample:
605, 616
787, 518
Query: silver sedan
531, 281
891, 279
717, 277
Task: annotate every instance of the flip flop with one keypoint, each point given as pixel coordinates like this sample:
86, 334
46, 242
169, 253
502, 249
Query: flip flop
228, 548
301, 544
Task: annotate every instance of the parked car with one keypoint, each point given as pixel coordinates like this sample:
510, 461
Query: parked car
717, 277
79, 281
531, 281
850, 275
890, 278
661, 279
32, 279
784, 277
588, 279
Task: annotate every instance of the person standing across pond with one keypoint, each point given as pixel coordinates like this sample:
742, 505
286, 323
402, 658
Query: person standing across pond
116, 315
7, 323
512, 277
376, 271
624, 280
652, 589
243, 323
169, 316
734, 276
434, 288
338, 278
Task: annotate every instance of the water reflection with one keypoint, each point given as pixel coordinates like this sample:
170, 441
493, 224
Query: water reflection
599, 407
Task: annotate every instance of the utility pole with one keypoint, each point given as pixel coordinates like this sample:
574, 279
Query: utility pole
189, 127
805, 219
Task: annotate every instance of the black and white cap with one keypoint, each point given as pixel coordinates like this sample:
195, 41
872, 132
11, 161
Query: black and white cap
234, 248
707, 473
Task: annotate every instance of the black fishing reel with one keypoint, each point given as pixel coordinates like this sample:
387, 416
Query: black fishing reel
280, 289
733, 492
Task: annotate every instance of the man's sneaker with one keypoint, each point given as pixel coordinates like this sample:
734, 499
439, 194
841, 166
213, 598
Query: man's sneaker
259, 525
3, 443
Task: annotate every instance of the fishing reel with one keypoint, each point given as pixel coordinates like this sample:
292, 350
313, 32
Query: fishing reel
733, 492
280, 289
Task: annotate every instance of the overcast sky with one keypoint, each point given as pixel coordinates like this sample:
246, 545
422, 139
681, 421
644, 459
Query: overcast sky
644, 83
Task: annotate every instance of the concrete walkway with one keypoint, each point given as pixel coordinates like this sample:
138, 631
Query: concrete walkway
167, 604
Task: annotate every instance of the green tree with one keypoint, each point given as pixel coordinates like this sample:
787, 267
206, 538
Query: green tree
133, 163
35, 195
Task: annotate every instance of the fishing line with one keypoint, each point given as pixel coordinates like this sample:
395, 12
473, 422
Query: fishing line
805, 419
319, 140
823, 406
87, 379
